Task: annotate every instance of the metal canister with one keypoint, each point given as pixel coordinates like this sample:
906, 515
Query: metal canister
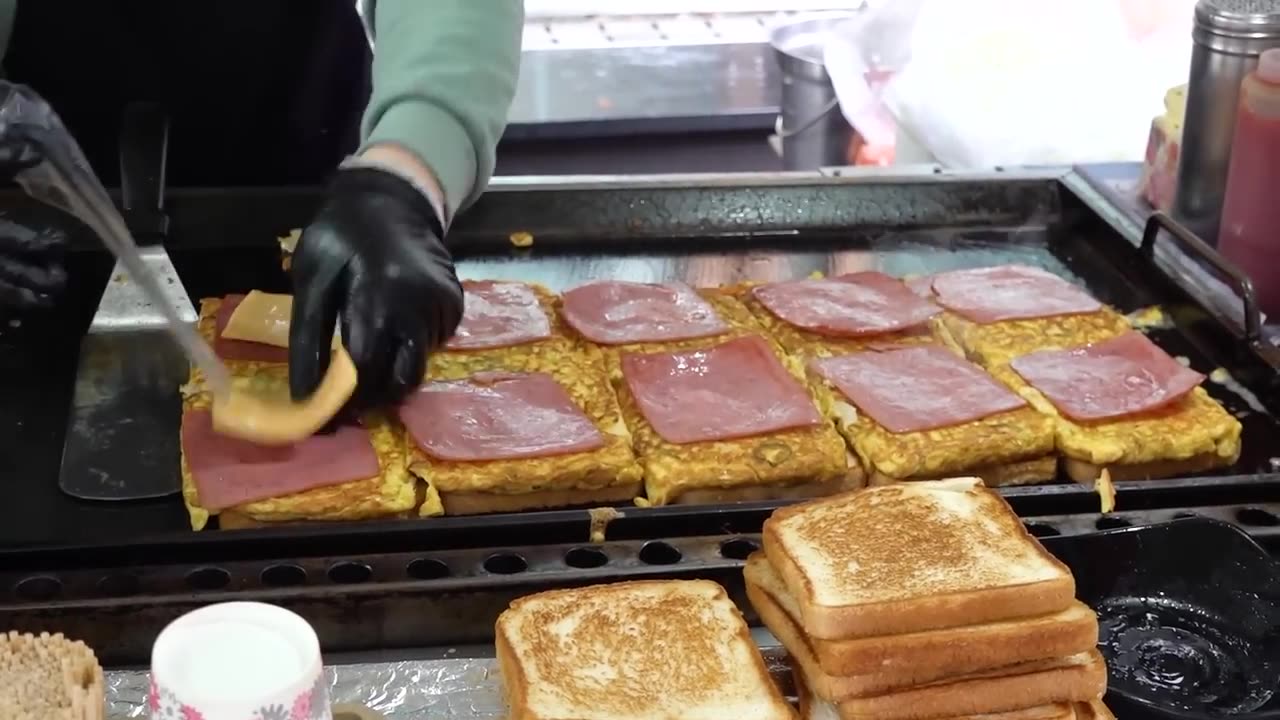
813, 132
1228, 37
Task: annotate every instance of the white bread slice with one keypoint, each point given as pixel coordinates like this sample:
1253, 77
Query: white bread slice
911, 557
648, 650
840, 669
1078, 679
813, 707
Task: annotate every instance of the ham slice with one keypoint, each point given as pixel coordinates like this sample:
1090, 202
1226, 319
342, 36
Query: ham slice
498, 416
1114, 378
499, 314
230, 472
865, 303
240, 349
921, 285
917, 388
1010, 292
734, 390
619, 313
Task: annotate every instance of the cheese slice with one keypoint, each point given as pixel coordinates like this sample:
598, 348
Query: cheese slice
262, 318
248, 415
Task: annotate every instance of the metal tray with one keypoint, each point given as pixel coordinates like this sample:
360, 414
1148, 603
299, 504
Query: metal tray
701, 229
1186, 633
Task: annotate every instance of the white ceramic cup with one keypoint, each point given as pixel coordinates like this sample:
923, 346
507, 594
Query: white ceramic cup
238, 661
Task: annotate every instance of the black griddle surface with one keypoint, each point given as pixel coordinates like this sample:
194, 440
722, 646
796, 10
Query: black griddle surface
38, 359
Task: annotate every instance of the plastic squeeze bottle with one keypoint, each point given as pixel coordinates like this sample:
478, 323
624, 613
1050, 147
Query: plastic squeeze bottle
1249, 234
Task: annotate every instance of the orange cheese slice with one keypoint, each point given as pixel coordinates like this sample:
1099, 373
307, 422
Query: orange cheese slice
258, 418
262, 318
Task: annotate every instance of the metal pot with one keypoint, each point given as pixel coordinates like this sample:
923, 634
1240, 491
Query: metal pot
811, 128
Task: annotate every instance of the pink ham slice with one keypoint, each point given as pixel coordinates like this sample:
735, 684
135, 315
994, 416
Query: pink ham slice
1009, 292
921, 285
240, 349
865, 303
230, 472
498, 416
1114, 378
734, 390
499, 314
917, 388
618, 313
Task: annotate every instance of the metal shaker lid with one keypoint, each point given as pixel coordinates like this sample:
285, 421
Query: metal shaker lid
1246, 26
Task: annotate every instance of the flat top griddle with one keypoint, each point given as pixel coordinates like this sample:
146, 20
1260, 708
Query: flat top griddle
702, 230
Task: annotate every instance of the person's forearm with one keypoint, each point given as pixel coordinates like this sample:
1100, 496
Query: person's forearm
444, 75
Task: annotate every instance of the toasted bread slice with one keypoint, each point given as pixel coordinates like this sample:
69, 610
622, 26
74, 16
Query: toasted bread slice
1193, 434
1094, 710
803, 462
1079, 678
1020, 472
609, 474
995, 344
995, 444
393, 493
647, 650
840, 669
813, 707
912, 557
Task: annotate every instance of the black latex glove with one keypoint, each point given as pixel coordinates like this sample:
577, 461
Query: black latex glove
374, 257
31, 270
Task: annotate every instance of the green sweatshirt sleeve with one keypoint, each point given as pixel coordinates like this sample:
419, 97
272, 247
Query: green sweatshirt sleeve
444, 76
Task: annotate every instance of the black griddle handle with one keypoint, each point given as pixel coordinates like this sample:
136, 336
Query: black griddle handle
144, 150
1223, 268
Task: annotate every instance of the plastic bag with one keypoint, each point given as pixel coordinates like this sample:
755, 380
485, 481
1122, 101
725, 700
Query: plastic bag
1018, 82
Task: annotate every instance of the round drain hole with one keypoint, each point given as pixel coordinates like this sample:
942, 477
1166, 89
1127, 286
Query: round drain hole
1041, 530
284, 576
1257, 517
208, 578
350, 573
505, 564
427, 569
738, 548
39, 588
659, 553
585, 558
1111, 522
120, 585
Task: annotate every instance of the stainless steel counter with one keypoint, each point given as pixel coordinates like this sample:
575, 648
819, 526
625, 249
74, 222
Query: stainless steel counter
602, 92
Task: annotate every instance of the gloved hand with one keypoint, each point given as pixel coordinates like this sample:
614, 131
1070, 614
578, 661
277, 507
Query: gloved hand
374, 257
31, 271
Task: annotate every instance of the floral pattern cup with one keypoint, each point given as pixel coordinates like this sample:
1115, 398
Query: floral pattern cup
238, 661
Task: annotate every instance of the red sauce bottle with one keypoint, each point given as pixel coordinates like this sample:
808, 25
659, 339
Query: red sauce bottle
1249, 234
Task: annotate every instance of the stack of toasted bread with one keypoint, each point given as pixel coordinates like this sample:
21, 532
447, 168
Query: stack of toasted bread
925, 600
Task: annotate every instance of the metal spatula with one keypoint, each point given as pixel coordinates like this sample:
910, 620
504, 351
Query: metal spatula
122, 435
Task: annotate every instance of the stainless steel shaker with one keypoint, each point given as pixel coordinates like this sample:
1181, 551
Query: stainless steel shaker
1228, 37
